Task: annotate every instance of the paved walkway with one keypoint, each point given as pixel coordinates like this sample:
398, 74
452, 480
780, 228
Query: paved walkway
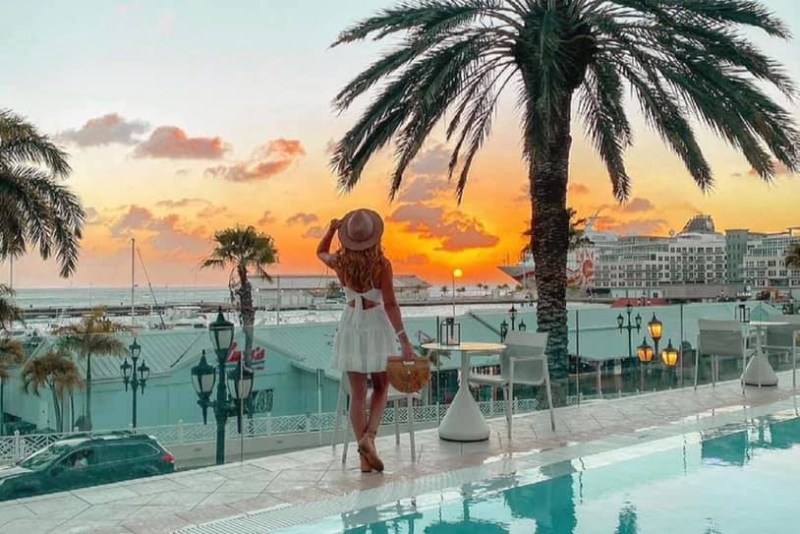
172, 502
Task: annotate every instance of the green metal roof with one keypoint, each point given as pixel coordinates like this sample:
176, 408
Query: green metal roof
308, 346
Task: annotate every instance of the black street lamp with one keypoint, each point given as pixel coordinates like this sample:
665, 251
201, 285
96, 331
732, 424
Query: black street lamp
133, 375
512, 312
630, 326
204, 377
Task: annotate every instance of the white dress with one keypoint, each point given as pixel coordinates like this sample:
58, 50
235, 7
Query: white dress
365, 337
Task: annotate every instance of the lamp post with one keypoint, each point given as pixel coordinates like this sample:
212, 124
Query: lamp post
134, 375
204, 377
636, 324
457, 273
522, 327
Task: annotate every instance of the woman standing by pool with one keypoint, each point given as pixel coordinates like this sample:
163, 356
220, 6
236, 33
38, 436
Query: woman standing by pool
370, 324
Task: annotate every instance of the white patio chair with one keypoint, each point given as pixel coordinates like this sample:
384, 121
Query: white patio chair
394, 397
522, 362
718, 339
785, 339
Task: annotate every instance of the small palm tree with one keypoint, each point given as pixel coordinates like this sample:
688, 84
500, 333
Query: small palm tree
243, 250
444, 290
683, 62
94, 335
793, 256
11, 354
57, 372
36, 208
8, 311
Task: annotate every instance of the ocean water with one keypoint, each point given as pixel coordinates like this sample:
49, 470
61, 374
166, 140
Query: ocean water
82, 297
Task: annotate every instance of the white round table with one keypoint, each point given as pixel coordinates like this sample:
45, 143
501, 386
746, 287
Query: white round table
464, 420
759, 372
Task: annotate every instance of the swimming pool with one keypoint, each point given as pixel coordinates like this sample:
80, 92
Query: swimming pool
737, 478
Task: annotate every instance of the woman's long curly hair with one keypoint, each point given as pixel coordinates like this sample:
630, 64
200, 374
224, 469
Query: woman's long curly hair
360, 268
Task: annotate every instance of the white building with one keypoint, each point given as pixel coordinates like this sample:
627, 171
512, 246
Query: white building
765, 262
647, 264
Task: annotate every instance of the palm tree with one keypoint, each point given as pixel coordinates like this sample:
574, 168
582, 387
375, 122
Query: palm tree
793, 256
8, 311
577, 239
11, 353
455, 58
444, 290
94, 335
37, 209
244, 250
56, 371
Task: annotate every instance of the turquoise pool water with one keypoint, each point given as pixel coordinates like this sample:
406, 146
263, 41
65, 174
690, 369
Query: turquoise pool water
736, 479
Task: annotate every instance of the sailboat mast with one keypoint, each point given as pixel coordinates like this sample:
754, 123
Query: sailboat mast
133, 280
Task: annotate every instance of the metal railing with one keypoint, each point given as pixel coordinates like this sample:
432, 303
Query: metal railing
18, 446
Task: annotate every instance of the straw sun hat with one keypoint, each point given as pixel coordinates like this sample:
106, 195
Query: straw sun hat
361, 229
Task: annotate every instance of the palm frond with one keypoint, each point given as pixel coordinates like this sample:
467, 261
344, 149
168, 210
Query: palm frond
20, 142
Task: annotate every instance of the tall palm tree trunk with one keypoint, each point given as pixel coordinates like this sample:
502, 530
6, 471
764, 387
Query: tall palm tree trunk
88, 412
56, 409
548, 175
248, 314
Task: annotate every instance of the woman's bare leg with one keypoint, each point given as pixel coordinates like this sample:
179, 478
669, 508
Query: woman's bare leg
358, 403
380, 391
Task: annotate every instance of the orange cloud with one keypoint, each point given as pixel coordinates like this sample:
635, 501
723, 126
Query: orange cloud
302, 218
266, 218
454, 231
575, 188
272, 159
163, 234
182, 202
780, 170
170, 142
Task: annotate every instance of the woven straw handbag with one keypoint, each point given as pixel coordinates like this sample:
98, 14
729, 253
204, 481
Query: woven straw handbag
409, 376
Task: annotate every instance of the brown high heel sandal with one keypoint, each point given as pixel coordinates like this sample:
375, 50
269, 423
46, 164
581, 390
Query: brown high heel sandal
365, 467
366, 448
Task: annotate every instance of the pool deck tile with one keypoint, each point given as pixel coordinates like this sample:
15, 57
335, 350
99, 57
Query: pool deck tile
275, 484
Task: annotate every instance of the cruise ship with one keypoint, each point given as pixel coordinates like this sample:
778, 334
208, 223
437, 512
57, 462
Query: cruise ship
581, 261
607, 261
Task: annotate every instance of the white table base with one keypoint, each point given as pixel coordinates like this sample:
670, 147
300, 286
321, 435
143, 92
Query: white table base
759, 372
463, 420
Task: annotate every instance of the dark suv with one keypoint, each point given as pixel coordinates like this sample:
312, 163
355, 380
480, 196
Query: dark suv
83, 461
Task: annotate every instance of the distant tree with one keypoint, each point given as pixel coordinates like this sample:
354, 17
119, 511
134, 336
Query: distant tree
577, 239
333, 290
11, 354
244, 250
461, 289
444, 290
95, 335
57, 372
793, 256
37, 210
8, 311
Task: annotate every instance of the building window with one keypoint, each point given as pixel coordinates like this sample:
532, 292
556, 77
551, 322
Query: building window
262, 401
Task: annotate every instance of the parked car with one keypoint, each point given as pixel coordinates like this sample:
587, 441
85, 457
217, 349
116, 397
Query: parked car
83, 461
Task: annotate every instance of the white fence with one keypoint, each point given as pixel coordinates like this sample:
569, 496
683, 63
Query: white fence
18, 446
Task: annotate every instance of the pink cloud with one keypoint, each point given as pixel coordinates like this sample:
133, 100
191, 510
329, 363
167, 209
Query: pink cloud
108, 129
171, 142
272, 159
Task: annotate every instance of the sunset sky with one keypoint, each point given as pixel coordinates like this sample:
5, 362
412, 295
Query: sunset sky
183, 117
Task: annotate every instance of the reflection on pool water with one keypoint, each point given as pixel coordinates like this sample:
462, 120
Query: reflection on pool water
743, 478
